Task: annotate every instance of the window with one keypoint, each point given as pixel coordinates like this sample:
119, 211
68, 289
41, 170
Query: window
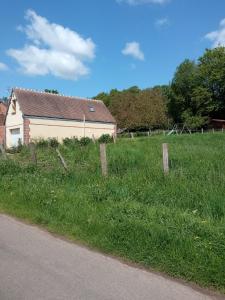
91, 109
15, 131
13, 107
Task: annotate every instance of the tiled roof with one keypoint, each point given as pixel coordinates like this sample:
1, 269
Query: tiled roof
42, 104
3, 107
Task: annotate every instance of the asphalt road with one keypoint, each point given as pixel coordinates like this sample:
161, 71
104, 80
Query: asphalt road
35, 265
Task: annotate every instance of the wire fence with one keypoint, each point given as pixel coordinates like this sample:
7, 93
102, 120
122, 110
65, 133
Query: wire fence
169, 132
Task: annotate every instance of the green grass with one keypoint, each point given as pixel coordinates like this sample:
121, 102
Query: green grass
174, 224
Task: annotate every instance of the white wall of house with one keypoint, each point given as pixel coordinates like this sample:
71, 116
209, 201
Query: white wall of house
14, 124
60, 129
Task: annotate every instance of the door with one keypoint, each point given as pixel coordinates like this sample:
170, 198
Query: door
15, 136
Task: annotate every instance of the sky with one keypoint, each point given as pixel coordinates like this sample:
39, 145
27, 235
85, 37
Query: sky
84, 47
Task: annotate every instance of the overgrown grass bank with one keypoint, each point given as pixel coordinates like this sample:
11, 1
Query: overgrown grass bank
175, 224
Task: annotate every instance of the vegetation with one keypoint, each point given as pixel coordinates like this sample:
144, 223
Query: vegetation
51, 91
137, 109
84, 141
105, 138
4, 99
196, 94
197, 91
174, 223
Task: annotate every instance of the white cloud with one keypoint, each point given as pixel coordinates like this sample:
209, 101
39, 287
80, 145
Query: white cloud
36, 61
52, 49
138, 2
217, 37
3, 67
133, 49
162, 22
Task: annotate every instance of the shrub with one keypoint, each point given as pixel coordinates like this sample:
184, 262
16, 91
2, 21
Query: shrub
12, 150
71, 141
67, 142
53, 142
16, 149
42, 143
105, 138
84, 141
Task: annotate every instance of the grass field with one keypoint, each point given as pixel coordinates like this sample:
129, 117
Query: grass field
174, 223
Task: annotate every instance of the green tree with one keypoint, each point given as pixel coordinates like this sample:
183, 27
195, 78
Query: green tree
51, 91
135, 109
152, 108
182, 87
104, 97
4, 99
212, 78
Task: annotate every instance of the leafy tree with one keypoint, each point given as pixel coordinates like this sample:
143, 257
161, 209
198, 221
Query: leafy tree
4, 99
212, 78
134, 108
196, 94
182, 86
152, 108
51, 91
104, 97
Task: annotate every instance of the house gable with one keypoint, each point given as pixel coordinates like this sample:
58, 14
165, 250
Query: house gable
14, 122
3, 109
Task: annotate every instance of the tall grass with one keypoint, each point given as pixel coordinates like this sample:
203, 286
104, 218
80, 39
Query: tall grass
174, 223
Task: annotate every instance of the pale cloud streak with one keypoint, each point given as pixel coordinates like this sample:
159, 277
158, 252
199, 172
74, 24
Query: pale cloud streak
133, 49
3, 67
53, 49
139, 2
217, 37
163, 22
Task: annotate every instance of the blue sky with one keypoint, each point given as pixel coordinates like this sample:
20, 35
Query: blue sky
83, 47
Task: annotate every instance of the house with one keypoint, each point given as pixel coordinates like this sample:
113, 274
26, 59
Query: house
32, 115
3, 109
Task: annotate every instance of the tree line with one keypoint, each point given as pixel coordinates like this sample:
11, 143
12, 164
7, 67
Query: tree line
195, 95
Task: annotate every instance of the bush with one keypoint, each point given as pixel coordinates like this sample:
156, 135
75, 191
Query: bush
67, 142
84, 141
12, 150
42, 143
53, 142
16, 149
70, 141
105, 138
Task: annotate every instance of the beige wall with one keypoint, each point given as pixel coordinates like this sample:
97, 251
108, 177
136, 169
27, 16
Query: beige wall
13, 121
47, 128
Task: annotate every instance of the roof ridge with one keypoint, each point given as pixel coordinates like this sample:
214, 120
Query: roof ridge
60, 95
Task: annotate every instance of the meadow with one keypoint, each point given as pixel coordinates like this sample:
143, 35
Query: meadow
173, 224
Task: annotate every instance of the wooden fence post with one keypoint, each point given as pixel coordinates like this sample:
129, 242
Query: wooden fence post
2, 150
61, 159
222, 129
33, 153
114, 138
93, 138
103, 159
165, 158
202, 130
132, 135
